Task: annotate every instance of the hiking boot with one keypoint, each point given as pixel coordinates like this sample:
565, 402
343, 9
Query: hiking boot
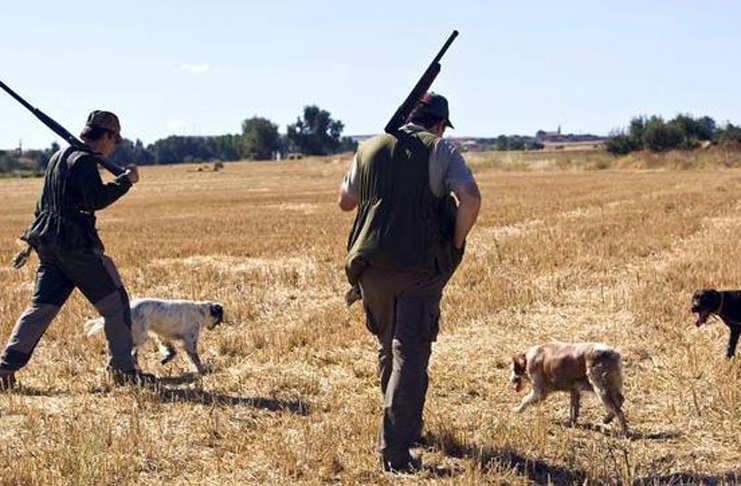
133, 377
7, 380
419, 438
408, 465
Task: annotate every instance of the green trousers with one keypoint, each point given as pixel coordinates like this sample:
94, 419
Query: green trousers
58, 274
403, 312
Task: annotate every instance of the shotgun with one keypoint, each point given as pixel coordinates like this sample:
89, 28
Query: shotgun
400, 117
21, 257
55, 127
422, 87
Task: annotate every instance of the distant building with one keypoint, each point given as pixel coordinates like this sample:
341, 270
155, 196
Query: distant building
471, 145
549, 137
544, 137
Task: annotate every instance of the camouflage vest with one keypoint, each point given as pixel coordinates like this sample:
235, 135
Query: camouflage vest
400, 224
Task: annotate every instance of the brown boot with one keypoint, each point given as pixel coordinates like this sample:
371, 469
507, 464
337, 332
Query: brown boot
7, 380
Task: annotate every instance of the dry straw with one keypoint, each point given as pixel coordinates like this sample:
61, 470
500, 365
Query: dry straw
566, 253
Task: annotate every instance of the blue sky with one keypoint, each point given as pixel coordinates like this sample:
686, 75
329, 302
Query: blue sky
200, 68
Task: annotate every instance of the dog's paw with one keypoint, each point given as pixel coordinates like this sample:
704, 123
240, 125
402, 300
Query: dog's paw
517, 409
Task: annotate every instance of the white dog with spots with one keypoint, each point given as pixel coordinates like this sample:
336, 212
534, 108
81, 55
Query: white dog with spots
169, 320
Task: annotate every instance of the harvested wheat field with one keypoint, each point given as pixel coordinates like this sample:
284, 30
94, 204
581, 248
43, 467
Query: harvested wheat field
569, 255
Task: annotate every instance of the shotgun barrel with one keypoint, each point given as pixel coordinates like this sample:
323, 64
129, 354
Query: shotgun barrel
422, 86
61, 131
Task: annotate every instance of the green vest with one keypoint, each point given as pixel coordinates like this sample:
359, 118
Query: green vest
400, 224
60, 220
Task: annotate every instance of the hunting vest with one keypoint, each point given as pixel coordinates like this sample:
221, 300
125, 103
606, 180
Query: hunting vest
400, 224
61, 220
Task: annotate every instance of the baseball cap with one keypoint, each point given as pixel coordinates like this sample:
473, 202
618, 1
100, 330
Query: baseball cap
105, 120
435, 104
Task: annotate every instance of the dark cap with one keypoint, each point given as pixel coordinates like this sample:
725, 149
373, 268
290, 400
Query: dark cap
105, 120
435, 104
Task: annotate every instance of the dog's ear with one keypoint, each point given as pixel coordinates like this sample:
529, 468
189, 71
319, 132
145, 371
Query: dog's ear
710, 298
216, 310
519, 363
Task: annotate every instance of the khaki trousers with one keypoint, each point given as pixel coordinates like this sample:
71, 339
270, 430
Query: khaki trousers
403, 312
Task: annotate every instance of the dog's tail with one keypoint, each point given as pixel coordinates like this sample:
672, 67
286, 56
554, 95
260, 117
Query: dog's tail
93, 326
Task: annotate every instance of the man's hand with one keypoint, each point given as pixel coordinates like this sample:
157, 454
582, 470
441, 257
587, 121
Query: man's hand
468, 210
347, 201
132, 172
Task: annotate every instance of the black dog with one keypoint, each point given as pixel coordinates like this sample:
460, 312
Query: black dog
724, 304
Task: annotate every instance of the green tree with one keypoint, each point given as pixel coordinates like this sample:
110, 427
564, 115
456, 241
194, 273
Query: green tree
693, 129
516, 143
620, 143
708, 128
260, 139
635, 135
730, 134
128, 152
661, 136
347, 144
316, 133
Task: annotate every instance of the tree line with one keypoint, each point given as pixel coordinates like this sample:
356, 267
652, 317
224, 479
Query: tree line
516, 142
315, 132
683, 132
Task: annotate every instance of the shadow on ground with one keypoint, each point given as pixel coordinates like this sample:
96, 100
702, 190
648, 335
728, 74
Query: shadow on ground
167, 393
30, 391
535, 470
633, 434
203, 397
542, 472
181, 379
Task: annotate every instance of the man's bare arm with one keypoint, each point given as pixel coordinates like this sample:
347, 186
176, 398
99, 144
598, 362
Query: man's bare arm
346, 200
468, 210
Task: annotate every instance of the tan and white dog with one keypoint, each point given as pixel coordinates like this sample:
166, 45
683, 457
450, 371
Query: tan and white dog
169, 320
573, 368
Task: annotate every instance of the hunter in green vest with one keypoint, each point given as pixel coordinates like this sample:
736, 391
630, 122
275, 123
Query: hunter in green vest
406, 242
400, 223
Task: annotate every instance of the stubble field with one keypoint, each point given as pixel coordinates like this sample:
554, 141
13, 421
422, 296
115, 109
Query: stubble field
567, 255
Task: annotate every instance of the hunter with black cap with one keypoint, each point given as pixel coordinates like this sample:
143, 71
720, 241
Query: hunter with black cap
407, 240
71, 255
